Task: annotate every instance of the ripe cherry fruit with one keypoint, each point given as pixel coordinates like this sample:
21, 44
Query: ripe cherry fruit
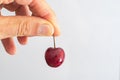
54, 56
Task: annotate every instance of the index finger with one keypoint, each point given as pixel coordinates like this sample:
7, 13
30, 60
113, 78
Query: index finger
40, 8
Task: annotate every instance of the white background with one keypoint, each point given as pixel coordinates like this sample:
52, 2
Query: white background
90, 37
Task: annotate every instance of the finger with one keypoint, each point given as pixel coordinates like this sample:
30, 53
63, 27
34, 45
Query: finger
15, 5
9, 45
24, 26
41, 8
23, 2
23, 10
12, 6
6, 1
22, 40
1, 6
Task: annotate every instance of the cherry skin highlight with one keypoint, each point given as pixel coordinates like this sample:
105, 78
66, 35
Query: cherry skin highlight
54, 56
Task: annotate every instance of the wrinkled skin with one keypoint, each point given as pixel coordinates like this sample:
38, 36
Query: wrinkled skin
39, 10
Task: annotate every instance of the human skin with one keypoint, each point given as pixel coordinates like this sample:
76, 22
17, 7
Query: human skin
33, 18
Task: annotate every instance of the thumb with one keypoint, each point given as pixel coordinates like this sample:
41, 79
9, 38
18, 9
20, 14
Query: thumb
24, 26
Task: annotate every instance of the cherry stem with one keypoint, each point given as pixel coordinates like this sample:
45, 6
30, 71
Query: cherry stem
54, 41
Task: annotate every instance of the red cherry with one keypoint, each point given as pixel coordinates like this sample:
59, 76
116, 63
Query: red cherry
54, 56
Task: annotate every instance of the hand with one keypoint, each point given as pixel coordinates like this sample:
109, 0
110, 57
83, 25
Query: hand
42, 22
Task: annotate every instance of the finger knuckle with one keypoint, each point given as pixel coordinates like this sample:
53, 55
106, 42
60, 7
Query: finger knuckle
23, 28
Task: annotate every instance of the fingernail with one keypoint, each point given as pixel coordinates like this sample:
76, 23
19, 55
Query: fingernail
45, 30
